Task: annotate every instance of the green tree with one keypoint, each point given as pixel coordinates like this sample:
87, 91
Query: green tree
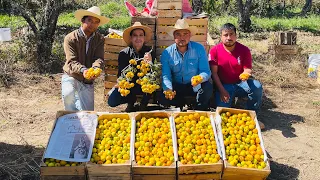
41, 16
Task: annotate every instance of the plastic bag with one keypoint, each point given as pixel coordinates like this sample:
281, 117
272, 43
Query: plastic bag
314, 62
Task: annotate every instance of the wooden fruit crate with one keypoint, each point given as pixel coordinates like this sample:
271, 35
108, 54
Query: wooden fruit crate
200, 171
240, 173
141, 172
112, 47
169, 8
164, 40
112, 171
62, 172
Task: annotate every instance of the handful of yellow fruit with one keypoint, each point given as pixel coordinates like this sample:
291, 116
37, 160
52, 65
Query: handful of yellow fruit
124, 87
169, 94
241, 141
114, 35
92, 73
112, 141
195, 80
56, 163
244, 76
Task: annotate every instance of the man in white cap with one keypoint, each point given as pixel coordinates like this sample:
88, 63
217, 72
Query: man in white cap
185, 69
84, 48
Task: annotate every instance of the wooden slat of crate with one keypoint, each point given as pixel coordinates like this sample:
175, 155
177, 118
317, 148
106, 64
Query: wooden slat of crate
170, 5
166, 21
115, 42
286, 49
169, 13
109, 85
199, 176
111, 78
63, 173
111, 71
111, 56
111, 177
236, 173
197, 22
111, 62
200, 168
143, 20
154, 177
109, 171
114, 49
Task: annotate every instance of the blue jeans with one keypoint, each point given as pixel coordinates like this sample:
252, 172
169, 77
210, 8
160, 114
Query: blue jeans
202, 96
115, 98
250, 88
76, 95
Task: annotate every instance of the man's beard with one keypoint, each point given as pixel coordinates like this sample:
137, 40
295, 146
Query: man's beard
229, 45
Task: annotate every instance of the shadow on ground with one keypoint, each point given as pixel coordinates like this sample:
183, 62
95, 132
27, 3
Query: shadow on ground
282, 172
19, 162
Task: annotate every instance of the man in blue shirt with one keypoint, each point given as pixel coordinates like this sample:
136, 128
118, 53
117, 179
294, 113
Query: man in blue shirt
185, 69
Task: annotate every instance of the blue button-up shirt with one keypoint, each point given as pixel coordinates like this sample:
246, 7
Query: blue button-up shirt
180, 68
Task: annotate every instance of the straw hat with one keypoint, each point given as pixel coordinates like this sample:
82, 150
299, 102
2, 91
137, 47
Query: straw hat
182, 24
93, 11
137, 25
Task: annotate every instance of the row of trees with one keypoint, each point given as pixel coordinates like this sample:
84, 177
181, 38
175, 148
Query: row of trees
42, 16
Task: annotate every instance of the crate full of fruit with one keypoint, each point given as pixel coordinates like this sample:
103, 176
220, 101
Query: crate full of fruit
111, 152
242, 145
154, 147
51, 168
198, 148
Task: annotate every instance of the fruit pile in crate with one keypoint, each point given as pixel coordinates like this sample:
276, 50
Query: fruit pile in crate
154, 147
111, 152
241, 144
198, 149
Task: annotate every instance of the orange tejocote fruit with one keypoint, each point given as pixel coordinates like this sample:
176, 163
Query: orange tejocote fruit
92, 73
244, 76
196, 80
169, 94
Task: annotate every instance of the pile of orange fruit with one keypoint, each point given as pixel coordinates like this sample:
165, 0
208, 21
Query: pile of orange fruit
196, 140
50, 162
241, 141
153, 145
92, 72
112, 141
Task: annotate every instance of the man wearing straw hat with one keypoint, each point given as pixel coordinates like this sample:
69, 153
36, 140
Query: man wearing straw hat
84, 48
136, 36
181, 63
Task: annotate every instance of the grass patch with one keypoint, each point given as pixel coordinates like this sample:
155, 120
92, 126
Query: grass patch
13, 22
307, 24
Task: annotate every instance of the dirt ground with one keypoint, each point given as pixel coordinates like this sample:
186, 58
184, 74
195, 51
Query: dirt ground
28, 108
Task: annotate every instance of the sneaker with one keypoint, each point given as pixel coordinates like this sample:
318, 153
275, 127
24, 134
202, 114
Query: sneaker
130, 108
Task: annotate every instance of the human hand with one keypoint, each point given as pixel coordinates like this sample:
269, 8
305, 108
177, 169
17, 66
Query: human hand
195, 80
169, 94
91, 73
244, 76
224, 96
147, 58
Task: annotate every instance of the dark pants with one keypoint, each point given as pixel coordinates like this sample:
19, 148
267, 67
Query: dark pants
182, 90
116, 99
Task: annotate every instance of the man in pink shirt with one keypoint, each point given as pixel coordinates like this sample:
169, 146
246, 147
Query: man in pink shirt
231, 67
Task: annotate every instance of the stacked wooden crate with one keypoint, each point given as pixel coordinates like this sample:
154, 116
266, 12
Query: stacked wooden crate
169, 12
112, 47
